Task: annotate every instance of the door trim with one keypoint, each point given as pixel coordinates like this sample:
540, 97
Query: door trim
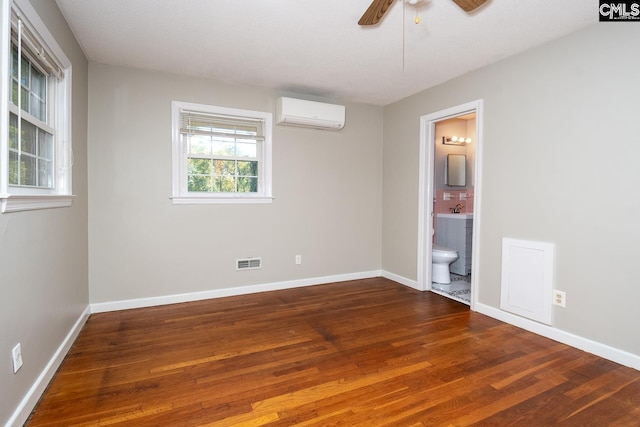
426, 193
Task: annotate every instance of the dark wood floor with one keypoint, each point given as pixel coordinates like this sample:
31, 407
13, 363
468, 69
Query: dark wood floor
368, 352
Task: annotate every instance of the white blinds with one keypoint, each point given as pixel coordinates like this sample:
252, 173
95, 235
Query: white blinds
32, 48
198, 123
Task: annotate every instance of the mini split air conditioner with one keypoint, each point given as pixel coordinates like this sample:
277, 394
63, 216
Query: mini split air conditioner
318, 115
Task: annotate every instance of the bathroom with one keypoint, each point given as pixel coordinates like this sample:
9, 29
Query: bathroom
453, 205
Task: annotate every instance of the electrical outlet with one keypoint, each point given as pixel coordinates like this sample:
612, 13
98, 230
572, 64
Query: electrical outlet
16, 353
298, 259
559, 298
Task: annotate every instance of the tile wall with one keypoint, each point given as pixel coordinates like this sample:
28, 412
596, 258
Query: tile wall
463, 197
446, 200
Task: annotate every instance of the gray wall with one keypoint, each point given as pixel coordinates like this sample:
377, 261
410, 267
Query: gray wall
560, 154
560, 165
327, 188
43, 254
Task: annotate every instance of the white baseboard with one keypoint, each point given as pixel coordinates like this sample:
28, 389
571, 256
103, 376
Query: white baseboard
227, 292
22, 412
400, 279
37, 389
602, 350
32, 397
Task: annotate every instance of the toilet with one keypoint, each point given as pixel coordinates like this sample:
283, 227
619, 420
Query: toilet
441, 258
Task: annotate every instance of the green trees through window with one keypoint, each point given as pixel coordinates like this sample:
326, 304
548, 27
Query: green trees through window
225, 176
30, 145
222, 153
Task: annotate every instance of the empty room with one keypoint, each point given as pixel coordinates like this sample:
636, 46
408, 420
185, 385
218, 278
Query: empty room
372, 213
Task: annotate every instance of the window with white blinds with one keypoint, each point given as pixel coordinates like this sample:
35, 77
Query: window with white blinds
221, 154
35, 168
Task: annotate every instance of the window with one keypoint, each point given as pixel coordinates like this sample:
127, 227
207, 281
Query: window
35, 151
220, 155
31, 140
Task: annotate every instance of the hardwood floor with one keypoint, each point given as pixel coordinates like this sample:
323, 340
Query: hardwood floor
368, 352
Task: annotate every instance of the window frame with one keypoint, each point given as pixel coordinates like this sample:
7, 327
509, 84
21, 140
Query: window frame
180, 193
21, 198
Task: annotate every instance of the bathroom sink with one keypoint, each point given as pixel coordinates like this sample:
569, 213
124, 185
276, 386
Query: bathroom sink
455, 215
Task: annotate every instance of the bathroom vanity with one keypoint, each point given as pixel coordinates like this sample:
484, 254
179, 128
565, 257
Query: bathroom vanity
455, 231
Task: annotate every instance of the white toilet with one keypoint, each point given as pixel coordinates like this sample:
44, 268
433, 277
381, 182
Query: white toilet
441, 258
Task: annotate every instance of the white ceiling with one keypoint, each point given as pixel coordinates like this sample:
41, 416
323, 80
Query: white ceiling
316, 47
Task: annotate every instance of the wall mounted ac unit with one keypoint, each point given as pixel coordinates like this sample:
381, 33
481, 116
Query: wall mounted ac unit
318, 115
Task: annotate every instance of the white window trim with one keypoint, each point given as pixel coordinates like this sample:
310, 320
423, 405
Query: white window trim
179, 173
15, 199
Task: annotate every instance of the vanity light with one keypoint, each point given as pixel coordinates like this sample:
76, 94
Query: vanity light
455, 140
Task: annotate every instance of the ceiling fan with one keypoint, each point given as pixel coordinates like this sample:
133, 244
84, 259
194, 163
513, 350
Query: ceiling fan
378, 8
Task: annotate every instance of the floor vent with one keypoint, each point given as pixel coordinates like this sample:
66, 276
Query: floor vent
248, 263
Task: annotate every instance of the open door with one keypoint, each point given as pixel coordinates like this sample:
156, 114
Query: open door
426, 192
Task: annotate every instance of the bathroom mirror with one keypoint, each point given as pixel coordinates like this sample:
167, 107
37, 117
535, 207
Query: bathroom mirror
456, 170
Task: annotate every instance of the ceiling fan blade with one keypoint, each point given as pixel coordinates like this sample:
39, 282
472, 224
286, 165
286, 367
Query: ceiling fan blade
375, 12
469, 5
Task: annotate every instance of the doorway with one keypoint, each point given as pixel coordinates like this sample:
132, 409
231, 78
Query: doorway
427, 193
